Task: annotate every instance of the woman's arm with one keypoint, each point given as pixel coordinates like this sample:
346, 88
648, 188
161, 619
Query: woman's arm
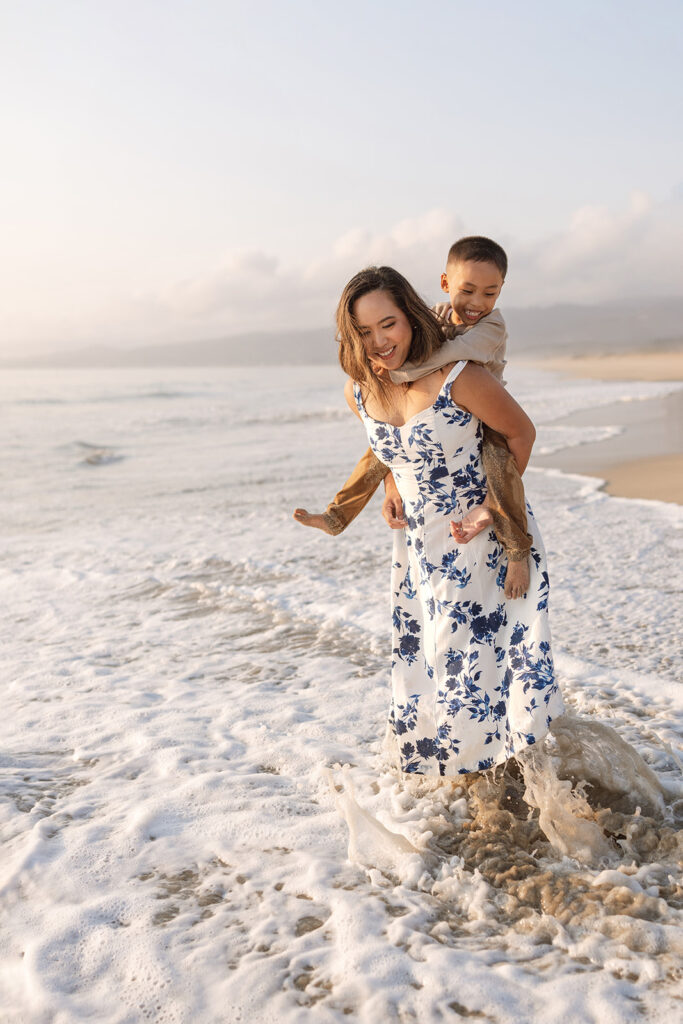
476, 390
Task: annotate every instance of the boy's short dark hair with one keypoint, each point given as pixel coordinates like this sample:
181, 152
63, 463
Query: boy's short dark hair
479, 250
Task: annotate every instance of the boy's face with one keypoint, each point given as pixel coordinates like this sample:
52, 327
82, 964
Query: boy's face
473, 289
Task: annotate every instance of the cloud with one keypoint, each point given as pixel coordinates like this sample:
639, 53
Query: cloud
406, 239
603, 254
253, 290
236, 286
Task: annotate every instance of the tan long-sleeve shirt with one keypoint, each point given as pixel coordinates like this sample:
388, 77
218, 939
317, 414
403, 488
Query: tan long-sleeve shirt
484, 342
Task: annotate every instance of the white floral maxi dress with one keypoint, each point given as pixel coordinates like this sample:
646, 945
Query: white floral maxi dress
472, 672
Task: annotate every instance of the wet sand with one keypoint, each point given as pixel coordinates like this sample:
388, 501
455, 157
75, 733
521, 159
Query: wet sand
646, 459
622, 366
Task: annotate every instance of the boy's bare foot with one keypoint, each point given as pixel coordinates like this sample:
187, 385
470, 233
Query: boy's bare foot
517, 579
471, 524
312, 519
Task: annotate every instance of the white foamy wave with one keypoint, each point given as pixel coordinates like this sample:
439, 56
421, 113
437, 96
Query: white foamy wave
184, 665
551, 439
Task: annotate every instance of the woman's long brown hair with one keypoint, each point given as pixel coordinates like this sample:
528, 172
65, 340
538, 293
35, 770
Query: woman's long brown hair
427, 334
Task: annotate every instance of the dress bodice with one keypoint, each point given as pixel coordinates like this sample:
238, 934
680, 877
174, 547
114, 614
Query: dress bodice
435, 456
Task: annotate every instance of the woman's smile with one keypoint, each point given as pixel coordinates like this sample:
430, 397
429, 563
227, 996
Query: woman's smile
386, 354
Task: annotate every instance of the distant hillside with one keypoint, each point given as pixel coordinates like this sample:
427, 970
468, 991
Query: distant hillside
300, 348
655, 324
652, 323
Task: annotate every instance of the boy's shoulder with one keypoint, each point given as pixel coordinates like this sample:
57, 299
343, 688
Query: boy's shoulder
495, 317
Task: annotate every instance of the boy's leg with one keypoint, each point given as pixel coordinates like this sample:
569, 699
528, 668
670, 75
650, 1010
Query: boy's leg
356, 492
507, 503
506, 500
348, 502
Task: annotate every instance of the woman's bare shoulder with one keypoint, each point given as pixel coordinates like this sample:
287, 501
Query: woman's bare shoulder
472, 381
478, 391
474, 375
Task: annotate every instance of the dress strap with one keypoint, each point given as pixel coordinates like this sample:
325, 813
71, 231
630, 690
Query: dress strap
455, 372
359, 399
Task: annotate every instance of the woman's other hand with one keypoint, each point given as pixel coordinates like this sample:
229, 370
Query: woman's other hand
392, 506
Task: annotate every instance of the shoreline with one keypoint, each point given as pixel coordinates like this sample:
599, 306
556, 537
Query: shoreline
645, 460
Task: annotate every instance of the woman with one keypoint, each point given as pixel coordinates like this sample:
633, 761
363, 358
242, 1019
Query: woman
472, 673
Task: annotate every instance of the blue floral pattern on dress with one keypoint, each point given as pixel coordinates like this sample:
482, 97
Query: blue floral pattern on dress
472, 673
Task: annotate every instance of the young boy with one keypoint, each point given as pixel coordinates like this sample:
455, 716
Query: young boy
475, 274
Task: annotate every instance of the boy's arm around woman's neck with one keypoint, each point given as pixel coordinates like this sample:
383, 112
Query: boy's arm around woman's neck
485, 342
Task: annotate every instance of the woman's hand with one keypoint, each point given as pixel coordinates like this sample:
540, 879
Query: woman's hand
392, 506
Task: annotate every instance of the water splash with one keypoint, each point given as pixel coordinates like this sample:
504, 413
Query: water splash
564, 815
544, 852
594, 753
371, 844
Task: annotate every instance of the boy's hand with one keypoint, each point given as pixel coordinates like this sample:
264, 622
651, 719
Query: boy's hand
471, 524
392, 506
443, 311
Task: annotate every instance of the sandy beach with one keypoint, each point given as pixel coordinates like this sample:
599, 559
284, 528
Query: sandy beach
619, 366
645, 460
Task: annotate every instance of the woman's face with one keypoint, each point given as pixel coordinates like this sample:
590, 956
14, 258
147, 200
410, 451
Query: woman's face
384, 328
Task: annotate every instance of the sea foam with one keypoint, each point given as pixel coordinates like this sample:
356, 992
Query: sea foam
184, 665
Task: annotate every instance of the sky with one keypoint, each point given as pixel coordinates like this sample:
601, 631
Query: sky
186, 169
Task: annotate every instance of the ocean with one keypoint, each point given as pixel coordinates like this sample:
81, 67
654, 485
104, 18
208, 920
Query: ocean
197, 821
